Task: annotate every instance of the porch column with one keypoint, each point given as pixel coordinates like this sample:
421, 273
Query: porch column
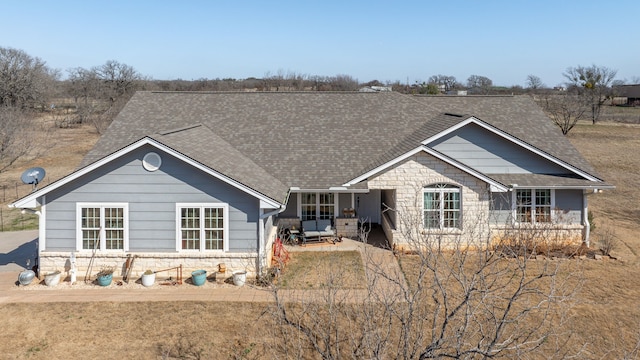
261, 244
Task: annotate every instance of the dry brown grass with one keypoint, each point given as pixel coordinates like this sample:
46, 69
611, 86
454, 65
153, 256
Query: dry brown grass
311, 270
132, 330
602, 319
607, 317
59, 155
613, 150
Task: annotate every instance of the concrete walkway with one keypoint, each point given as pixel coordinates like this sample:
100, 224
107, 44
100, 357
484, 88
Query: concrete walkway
16, 247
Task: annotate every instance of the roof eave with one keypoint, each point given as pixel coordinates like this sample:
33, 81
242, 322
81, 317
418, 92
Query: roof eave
595, 186
31, 200
494, 184
516, 141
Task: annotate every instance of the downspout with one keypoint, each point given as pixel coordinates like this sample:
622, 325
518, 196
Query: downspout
261, 245
41, 230
585, 217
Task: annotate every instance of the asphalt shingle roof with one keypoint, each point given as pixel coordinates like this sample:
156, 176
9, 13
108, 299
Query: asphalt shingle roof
314, 140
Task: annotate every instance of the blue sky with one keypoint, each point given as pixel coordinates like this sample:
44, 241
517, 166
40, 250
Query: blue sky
384, 40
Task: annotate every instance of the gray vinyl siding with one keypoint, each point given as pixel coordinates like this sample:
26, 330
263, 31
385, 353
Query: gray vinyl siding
344, 201
368, 206
568, 201
500, 213
292, 207
491, 154
151, 198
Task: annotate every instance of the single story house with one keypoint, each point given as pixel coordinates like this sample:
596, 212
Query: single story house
200, 179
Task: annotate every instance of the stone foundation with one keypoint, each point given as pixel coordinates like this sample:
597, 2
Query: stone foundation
52, 261
550, 236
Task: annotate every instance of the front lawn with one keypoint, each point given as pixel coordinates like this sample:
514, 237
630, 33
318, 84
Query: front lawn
318, 269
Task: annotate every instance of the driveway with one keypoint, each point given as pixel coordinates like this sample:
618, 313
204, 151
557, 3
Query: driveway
16, 248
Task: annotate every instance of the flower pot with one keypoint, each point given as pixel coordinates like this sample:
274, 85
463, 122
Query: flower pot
148, 279
199, 277
26, 277
52, 279
105, 280
239, 277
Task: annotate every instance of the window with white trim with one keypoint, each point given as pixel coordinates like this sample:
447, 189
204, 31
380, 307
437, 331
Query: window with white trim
441, 206
202, 227
317, 206
533, 205
102, 226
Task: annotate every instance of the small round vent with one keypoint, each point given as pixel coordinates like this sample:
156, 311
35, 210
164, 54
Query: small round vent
151, 161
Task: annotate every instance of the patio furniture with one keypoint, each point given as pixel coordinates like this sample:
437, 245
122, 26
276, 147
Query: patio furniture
317, 230
289, 236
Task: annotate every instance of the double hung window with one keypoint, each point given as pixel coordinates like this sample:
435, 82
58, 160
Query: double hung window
202, 227
317, 206
533, 205
441, 209
102, 226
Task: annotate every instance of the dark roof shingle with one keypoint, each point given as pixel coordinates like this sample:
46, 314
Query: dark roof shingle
314, 140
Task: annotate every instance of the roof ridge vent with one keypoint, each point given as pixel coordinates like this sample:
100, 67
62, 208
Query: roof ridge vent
184, 128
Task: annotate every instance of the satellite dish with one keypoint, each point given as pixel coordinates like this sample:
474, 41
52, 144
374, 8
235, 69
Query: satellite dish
33, 176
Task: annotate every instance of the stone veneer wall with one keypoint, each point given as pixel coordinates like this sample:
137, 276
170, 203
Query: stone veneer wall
271, 233
549, 235
51, 261
411, 176
347, 227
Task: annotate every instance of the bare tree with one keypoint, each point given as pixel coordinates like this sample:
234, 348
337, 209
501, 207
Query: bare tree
479, 83
83, 84
281, 81
25, 81
344, 83
534, 83
593, 83
565, 110
451, 300
445, 81
119, 80
15, 139
102, 91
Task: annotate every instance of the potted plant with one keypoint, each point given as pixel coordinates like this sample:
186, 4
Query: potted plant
52, 278
105, 275
148, 278
199, 277
239, 277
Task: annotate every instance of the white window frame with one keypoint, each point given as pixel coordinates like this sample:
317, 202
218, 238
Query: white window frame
533, 205
318, 205
442, 188
202, 206
102, 234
